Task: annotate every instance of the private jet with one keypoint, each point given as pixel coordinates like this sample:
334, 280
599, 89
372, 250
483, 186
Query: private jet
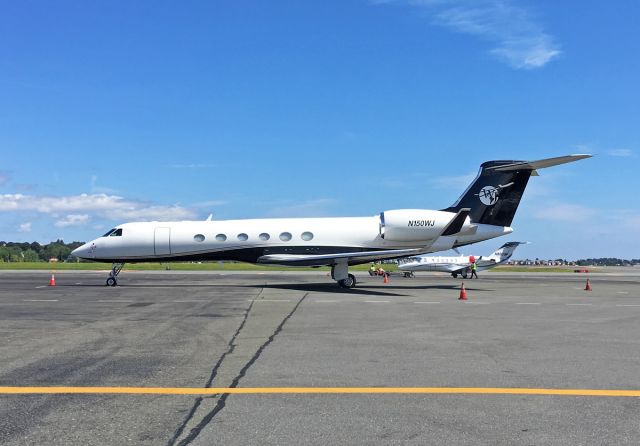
484, 211
460, 265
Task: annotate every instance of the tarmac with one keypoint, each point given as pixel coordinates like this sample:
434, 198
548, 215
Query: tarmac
398, 363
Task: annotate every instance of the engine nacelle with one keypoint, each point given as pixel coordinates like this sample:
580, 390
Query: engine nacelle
412, 225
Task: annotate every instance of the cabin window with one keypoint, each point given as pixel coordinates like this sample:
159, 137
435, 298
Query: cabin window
264, 236
199, 238
116, 233
221, 237
109, 232
243, 237
306, 236
285, 236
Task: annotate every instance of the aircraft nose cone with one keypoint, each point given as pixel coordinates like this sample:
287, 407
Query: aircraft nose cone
82, 251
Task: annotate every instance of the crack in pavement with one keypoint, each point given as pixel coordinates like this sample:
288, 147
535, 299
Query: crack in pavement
181, 438
230, 348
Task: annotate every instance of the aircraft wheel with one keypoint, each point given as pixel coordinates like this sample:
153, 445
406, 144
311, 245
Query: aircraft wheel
455, 275
349, 282
464, 275
111, 281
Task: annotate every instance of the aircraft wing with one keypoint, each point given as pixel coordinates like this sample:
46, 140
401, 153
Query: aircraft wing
455, 267
444, 241
330, 259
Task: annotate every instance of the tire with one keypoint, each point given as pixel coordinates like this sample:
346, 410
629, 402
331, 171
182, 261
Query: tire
111, 281
464, 275
349, 282
454, 275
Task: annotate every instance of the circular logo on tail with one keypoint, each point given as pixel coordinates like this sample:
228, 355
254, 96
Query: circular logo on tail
488, 195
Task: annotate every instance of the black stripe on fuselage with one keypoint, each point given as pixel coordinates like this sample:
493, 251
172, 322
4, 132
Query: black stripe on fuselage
250, 255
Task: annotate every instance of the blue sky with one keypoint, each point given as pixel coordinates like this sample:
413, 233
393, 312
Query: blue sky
122, 111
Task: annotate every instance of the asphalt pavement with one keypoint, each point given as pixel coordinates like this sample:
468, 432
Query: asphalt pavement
298, 329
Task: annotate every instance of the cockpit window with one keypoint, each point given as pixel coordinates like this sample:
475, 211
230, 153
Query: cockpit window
116, 233
109, 232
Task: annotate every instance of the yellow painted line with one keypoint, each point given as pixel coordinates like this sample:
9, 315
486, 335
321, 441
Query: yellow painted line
7, 390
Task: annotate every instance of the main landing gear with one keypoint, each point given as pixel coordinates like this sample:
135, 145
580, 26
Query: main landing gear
340, 273
115, 270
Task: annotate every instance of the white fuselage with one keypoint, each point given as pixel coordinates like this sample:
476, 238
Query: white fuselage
250, 239
446, 264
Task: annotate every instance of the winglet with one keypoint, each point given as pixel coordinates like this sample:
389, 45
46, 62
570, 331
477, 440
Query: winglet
447, 238
456, 223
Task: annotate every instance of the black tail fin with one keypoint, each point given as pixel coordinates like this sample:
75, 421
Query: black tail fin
494, 195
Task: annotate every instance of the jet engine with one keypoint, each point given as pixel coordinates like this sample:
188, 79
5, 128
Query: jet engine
412, 225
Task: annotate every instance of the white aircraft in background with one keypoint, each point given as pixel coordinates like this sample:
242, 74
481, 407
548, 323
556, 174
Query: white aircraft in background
458, 265
484, 211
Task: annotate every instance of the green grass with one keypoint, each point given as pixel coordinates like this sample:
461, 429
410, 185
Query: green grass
239, 266
174, 266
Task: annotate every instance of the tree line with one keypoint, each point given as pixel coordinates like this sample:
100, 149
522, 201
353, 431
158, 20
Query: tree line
35, 252
608, 261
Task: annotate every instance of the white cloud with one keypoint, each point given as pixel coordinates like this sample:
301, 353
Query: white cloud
95, 189
565, 212
25, 227
210, 203
102, 205
72, 220
519, 40
624, 153
454, 182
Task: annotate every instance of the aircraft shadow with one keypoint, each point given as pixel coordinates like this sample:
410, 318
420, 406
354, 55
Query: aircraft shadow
359, 290
331, 287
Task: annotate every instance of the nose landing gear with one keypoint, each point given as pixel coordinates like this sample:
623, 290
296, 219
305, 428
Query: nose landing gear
115, 270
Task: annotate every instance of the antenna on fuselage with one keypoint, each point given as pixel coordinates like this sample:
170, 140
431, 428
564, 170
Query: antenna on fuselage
210, 217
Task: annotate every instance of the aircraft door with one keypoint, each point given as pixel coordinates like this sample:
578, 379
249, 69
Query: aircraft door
162, 241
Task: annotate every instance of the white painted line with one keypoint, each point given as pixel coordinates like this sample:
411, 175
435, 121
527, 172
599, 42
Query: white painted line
189, 301
623, 292
40, 300
527, 303
426, 302
377, 301
41, 286
79, 283
578, 305
114, 300
628, 305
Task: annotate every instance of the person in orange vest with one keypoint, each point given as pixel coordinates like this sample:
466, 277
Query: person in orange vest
474, 269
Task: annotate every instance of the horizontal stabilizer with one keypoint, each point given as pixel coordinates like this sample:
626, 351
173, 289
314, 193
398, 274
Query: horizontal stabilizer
540, 164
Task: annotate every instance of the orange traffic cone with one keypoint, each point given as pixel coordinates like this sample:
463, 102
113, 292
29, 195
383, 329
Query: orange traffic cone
52, 281
463, 293
588, 286
386, 278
